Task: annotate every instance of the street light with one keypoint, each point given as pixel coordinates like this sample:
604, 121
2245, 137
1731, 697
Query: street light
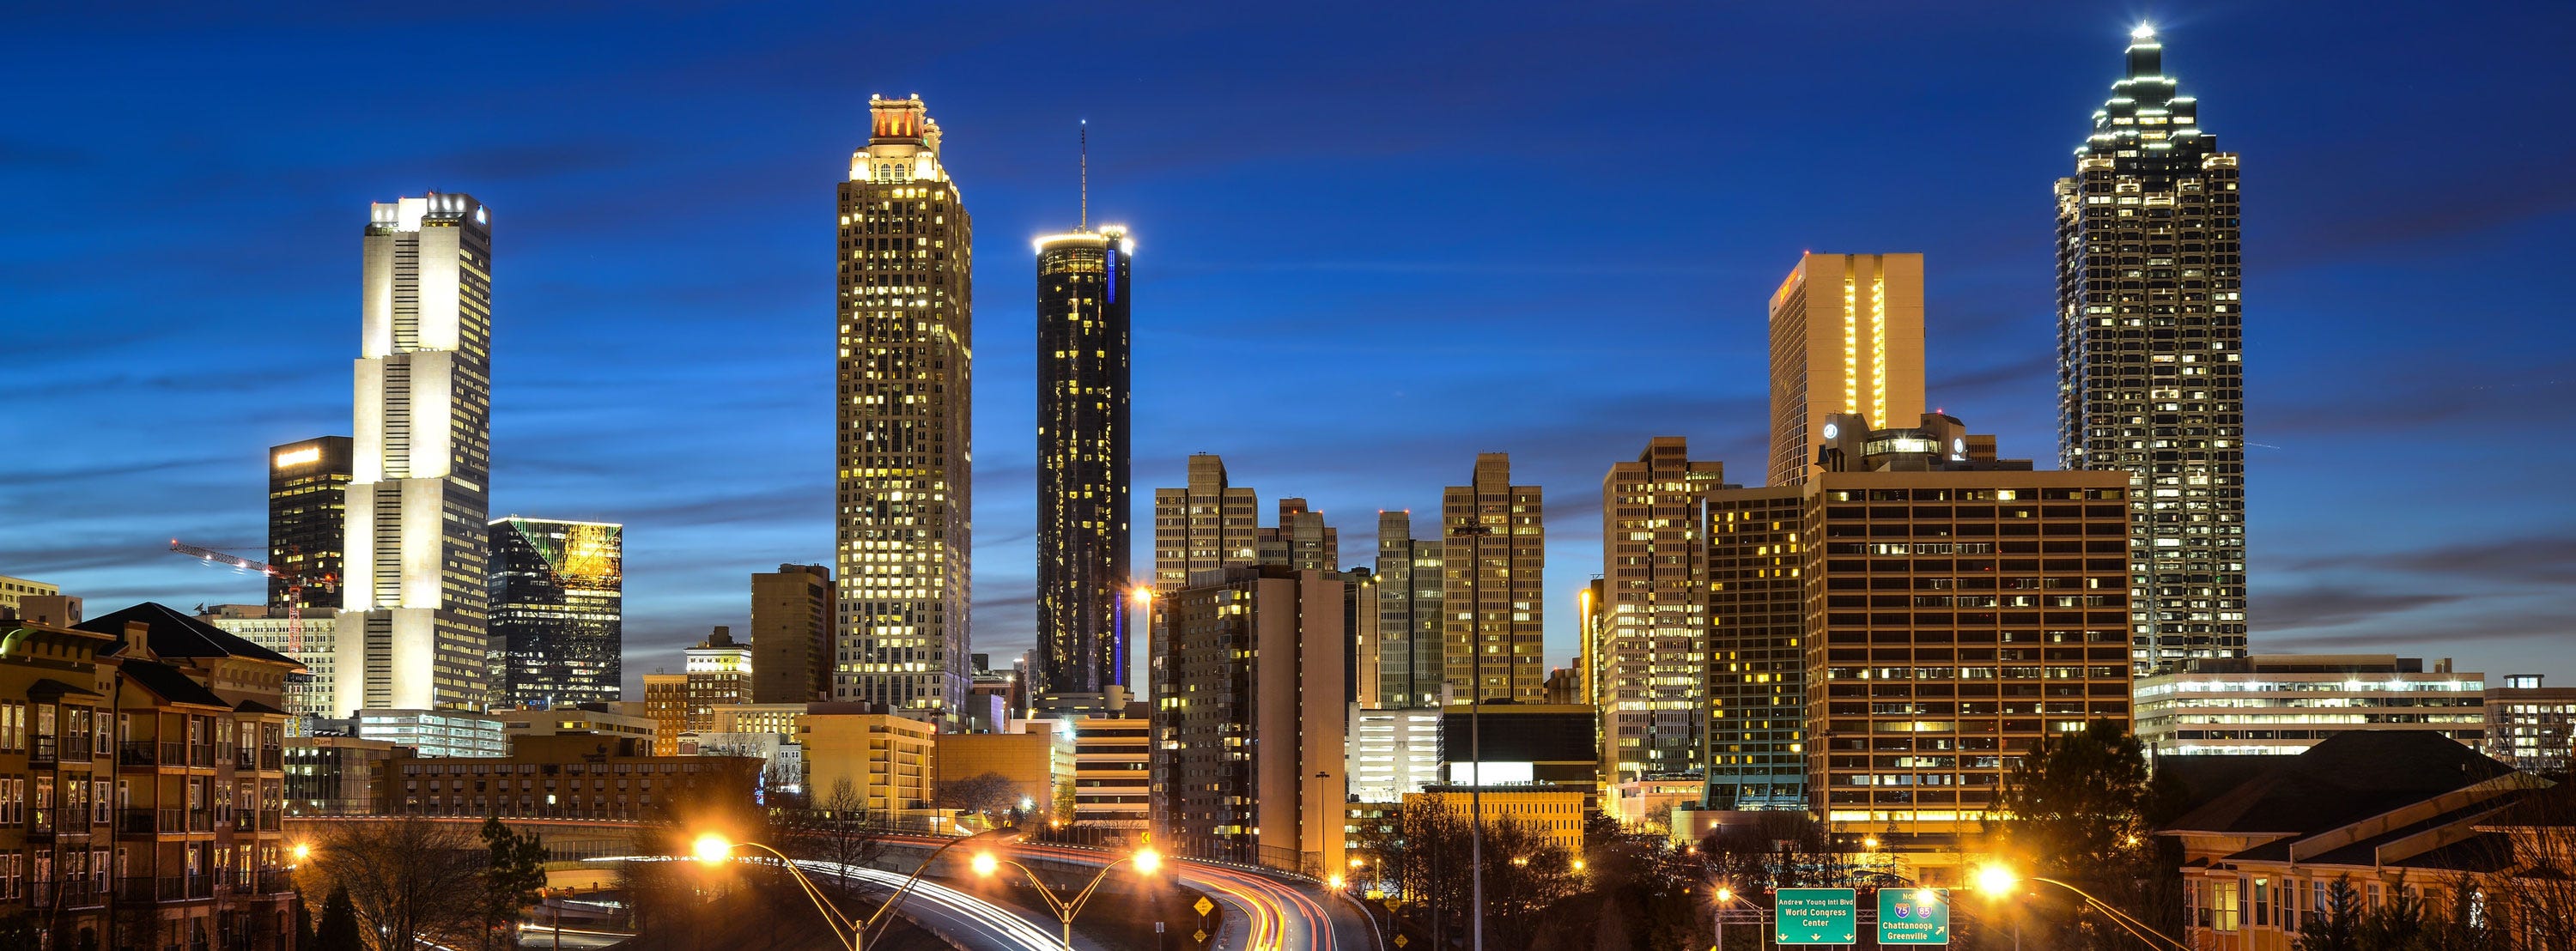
713, 849
1147, 860
1998, 882
1336, 883
1725, 896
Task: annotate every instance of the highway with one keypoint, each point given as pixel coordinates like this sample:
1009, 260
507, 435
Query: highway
953, 914
1269, 914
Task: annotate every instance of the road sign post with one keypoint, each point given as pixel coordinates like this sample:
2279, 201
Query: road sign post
1816, 916
1914, 916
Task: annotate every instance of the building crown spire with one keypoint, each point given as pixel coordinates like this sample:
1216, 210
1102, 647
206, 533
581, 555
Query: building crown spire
1083, 223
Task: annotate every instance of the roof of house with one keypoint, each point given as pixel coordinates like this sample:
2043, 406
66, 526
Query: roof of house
172, 634
170, 684
2348, 777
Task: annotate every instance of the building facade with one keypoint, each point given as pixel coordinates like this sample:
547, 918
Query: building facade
1493, 595
575, 776
1655, 637
443, 734
1209, 524
857, 758
1410, 663
1083, 437
1554, 813
1301, 540
15, 591
1392, 752
2150, 340
720, 673
791, 634
411, 629
2281, 704
1757, 671
905, 472
333, 775
1113, 779
666, 703
557, 612
1846, 337
1248, 718
308, 501
2531, 725
305, 638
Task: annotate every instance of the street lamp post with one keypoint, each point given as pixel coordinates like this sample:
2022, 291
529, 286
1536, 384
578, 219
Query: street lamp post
1147, 860
1998, 881
1339, 886
712, 849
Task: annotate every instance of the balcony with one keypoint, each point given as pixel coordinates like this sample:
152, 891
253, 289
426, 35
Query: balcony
272, 821
45, 751
201, 821
272, 759
275, 881
134, 822
76, 747
174, 754
137, 753
202, 757
245, 758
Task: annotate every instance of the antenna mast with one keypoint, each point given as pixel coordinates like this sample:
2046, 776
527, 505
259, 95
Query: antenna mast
1085, 224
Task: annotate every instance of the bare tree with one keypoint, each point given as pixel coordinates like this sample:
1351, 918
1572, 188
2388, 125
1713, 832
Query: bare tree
836, 831
407, 879
985, 795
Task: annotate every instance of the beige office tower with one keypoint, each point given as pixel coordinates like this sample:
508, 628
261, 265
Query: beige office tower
1301, 541
1493, 592
1410, 660
411, 629
791, 634
1249, 718
1846, 337
906, 341
1206, 526
1653, 638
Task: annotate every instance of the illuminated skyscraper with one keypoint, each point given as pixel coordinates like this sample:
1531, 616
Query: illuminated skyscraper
1846, 337
308, 498
410, 633
1208, 525
1411, 663
2149, 335
1493, 596
1654, 638
906, 341
1082, 461
558, 608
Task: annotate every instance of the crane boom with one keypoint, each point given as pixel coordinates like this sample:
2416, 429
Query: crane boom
296, 582
223, 558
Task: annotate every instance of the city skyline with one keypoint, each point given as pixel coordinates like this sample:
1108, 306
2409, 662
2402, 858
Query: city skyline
1988, 316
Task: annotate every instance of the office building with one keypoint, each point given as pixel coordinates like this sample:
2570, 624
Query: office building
1846, 337
1301, 540
1113, 778
1392, 752
594, 718
1410, 663
2532, 726
1036, 760
433, 733
1083, 574
1493, 595
1757, 671
781, 718
411, 628
2149, 340
791, 634
308, 498
1207, 525
2281, 704
333, 775
781, 758
859, 758
305, 639
1565, 685
574, 776
14, 592
905, 473
1655, 639
666, 703
719, 672
557, 611
1248, 718
1552, 812
1521, 743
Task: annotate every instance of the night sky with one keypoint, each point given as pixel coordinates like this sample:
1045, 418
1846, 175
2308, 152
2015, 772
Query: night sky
1372, 241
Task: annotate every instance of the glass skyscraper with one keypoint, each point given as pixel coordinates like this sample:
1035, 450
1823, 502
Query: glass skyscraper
2149, 343
557, 607
1082, 461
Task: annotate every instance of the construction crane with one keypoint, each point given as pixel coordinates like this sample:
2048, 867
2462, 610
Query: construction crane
296, 582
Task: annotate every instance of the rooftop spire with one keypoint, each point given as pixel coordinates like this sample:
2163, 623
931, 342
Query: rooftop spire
1084, 222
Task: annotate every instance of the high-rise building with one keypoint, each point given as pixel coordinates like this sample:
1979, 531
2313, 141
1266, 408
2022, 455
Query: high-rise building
1846, 337
308, 498
1083, 436
305, 638
1113, 785
558, 609
2149, 337
1654, 643
719, 672
1249, 715
15, 591
666, 703
1392, 752
1205, 526
411, 630
1493, 596
791, 634
1411, 665
1301, 540
905, 469
1757, 670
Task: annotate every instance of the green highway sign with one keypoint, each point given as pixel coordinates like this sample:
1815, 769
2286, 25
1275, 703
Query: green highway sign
1914, 916
1816, 916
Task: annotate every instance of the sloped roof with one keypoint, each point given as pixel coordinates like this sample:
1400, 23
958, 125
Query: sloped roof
2349, 777
170, 684
173, 634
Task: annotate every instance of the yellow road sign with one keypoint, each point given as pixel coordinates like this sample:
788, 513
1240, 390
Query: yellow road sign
1204, 906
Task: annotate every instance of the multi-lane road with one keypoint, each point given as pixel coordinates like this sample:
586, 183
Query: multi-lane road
1268, 914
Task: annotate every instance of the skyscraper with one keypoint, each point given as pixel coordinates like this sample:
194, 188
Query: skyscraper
1757, 669
1410, 661
410, 633
308, 498
791, 634
2149, 337
906, 339
1493, 598
1846, 337
719, 672
558, 606
1082, 460
1301, 540
1207, 525
1654, 638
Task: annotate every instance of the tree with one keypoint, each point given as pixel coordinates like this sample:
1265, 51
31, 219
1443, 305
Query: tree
2082, 807
337, 930
406, 879
1422, 852
18, 932
2334, 927
514, 873
982, 795
837, 832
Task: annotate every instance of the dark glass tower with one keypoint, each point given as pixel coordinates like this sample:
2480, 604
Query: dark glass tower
308, 501
557, 611
1082, 462
2149, 341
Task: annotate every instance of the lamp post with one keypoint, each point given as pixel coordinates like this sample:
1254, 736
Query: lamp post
714, 849
1339, 886
1147, 860
1725, 897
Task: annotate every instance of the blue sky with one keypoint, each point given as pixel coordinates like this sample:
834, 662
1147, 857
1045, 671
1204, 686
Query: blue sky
1373, 241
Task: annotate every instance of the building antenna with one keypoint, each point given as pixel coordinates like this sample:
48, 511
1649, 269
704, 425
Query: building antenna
1085, 221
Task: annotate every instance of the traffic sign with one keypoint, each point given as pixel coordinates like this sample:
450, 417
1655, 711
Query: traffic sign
1200, 935
1817, 916
1204, 906
1914, 916
1401, 941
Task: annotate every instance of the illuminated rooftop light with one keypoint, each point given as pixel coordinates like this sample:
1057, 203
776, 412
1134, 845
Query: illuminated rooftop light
2143, 32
